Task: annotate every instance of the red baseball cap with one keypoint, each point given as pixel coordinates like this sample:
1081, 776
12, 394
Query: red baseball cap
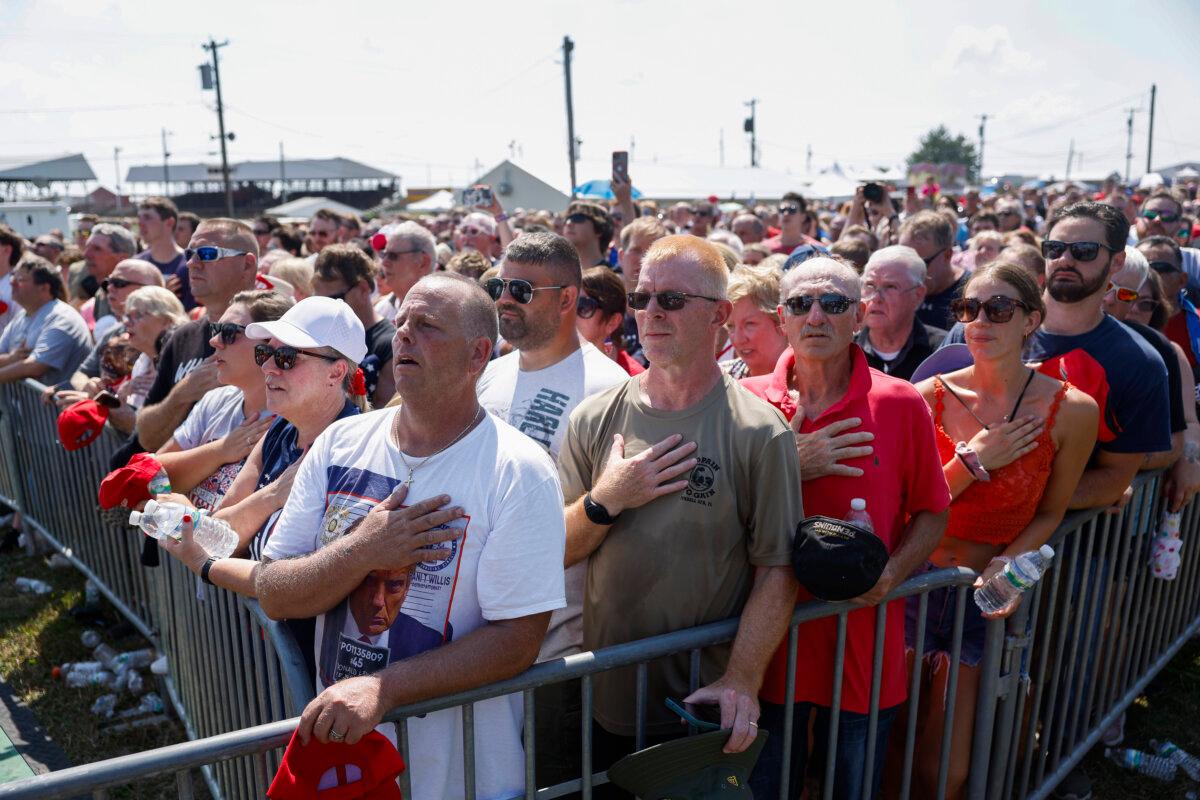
130, 484
317, 771
80, 424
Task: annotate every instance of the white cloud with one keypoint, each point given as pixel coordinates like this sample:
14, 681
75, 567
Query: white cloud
990, 50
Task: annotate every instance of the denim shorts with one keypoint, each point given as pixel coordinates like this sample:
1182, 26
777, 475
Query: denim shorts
939, 622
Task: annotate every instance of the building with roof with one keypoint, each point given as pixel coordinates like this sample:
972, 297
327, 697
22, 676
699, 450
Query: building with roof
52, 178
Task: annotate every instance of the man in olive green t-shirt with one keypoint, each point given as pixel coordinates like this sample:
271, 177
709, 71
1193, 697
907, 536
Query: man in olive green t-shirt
703, 482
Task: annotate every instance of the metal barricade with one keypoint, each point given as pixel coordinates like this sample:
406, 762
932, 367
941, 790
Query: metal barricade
1085, 642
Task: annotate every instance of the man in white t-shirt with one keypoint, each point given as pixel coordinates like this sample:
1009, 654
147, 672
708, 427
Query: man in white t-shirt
12, 247
489, 568
535, 388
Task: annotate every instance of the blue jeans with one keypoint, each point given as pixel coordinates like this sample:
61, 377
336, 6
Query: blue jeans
850, 760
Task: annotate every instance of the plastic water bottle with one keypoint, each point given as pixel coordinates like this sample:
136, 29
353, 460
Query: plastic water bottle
91, 594
134, 659
90, 639
159, 520
160, 483
150, 704
1186, 761
105, 705
1006, 586
79, 679
105, 655
135, 684
1156, 767
858, 515
63, 670
33, 585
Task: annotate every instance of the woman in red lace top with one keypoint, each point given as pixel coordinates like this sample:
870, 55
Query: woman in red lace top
1013, 444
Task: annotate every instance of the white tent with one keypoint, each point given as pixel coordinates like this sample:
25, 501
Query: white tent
441, 200
832, 184
305, 207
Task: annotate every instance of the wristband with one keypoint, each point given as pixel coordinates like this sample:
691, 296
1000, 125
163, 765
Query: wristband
971, 460
204, 571
501, 218
597, 513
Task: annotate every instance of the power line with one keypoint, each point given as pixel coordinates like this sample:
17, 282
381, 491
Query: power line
89, 109
1073, 119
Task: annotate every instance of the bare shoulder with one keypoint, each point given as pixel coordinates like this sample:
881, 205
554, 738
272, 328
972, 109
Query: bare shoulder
1078, 417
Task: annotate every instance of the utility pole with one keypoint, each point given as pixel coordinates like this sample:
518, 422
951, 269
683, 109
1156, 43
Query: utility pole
567, 47
808, 161
721, 145
982, 127
1150, 135
632, 143
166, 166
117, 172
1070, 158
1129, 144
750, 127
283, 193
213, 46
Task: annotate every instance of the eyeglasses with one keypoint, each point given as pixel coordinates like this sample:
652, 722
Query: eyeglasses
830, 302
1124, 293
586, 307
285, 357
887, 291
117, 283
262, 231
518, 289
211, 253
998, 309
394, 255
1164, 267
785, 210
228, 331
1162, 216
1080, 251
1146, 305
703, 212
667, 301
469, 231
132, 318
320, 234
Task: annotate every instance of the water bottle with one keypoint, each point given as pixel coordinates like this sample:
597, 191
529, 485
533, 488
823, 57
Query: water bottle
1156, 767
166, 519
79, 666
105, 705
90, 639
33, 585
105, 655
858, 515
135, 684
1186, 761
150, 704
91, 594
78, 679
160, 483
134, 659
1005, 587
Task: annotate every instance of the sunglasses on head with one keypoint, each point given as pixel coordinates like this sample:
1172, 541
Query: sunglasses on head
285, 357
228, 331
211, 253
998, 309
1080, 251
117, 283
1124, 293
667, 301
830, 302
1165, 217
1164, 267
518, 289
586, 307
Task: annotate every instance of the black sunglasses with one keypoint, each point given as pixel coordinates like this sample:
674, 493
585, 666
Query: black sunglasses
518, 289
667, 301
789, 209
228, 331
1080, 251
117, 283
586, 307
578, 218
998, 309
1164, 267
831, 303
285, 357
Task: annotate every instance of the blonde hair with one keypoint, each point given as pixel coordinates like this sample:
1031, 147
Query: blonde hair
156, 302
706, 256
759, 285
296, 271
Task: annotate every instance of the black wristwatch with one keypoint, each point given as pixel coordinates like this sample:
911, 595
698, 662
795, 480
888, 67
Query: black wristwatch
596, 512
204, 571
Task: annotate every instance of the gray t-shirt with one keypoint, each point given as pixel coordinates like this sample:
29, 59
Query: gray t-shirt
56, 334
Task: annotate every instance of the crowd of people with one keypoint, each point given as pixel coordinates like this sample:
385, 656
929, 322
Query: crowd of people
454, 446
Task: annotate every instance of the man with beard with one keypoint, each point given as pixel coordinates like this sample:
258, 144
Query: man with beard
1084, 248
535, 388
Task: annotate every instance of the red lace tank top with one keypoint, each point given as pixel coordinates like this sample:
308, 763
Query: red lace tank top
996, 511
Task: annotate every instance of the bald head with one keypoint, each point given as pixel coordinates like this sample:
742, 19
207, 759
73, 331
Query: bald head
476, 311
138, 271
821, 270
705, 257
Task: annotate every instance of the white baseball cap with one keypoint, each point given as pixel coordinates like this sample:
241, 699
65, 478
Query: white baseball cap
317, 322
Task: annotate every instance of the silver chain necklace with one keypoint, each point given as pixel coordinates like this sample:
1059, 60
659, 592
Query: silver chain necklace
411, 469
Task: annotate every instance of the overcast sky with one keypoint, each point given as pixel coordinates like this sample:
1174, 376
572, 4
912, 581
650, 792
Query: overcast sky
427, 89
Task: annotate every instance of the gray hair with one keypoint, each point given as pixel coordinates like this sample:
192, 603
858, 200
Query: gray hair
729, 239
818, 269
1136, 264
417, 235
119, 239
157, 302
899, 254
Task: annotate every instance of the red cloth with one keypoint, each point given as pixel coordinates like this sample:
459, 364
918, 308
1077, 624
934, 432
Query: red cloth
629, 363
130, 484
775, 244
1177, 332
903, 476
365, 770
80, 424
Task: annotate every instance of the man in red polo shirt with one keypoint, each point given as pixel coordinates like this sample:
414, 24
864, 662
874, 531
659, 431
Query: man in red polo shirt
823, 385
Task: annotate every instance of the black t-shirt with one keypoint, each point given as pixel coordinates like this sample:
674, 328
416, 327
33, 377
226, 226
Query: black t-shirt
935, 309
1174, 379
184, 351
379, 353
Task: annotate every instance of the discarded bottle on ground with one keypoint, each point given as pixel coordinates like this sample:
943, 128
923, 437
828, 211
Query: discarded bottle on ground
1186, 761
105, 705
105, 655
858, 515
33, 585
63, 670
1004, 588
1156, 767
79, 679
166, 519
90, 639
91, 594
